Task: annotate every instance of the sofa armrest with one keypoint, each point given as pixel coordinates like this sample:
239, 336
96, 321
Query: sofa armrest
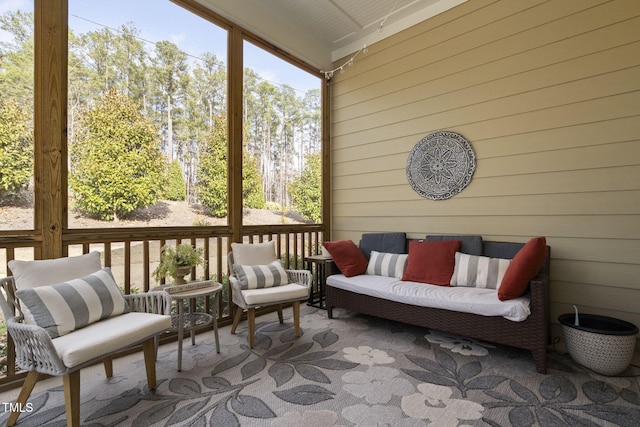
539, 294
331, 268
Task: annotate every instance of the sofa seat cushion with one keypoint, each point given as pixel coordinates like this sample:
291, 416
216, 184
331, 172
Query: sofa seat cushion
283, 293
480, 301
107, 336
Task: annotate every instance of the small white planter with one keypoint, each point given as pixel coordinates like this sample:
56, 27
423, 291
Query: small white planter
603, 344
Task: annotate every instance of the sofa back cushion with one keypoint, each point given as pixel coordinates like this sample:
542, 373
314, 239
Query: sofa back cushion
393, 243
64, 307
431, 262
385, 264
469, 244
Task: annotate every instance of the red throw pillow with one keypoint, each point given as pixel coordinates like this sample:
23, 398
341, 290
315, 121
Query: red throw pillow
347, 256
431, 262
523, 267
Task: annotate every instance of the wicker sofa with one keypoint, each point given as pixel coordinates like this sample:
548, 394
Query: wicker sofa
530, 334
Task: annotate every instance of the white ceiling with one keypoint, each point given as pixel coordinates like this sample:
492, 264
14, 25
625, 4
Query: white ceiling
324, 31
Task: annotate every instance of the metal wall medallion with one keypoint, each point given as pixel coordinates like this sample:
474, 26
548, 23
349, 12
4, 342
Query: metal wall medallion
441, 165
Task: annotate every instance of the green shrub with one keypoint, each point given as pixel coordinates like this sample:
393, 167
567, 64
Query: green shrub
176, 187
273, 206
306, 190
16, 149
116, 162
212, 174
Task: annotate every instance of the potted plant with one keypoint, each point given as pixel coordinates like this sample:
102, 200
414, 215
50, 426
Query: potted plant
177, 262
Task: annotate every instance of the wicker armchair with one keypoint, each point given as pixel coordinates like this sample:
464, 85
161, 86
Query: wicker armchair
296, 290
38, 353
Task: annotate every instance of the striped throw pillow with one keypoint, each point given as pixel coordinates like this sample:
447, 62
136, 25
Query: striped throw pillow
386, 264
65, 307
478, 271
261, 276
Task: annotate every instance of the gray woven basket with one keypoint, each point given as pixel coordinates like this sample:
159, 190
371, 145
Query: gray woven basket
603, 344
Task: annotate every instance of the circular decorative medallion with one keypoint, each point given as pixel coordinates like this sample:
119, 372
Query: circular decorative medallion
441, 165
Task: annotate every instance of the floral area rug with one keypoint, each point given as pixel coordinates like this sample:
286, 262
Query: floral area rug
353, 370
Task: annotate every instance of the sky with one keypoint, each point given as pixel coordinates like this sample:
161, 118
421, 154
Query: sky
163, 20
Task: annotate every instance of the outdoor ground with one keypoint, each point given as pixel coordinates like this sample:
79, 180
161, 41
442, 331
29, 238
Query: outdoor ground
164, 214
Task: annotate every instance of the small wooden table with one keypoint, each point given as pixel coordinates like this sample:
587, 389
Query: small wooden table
188, 322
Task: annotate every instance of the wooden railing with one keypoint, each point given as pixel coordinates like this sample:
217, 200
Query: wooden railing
133, 254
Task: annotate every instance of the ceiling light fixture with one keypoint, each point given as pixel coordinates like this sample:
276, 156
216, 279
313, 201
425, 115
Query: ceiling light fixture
329, 74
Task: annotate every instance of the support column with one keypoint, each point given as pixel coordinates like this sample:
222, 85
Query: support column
234, 159
50, 124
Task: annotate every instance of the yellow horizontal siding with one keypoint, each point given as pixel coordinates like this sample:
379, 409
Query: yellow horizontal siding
393, 187
582, 135
548, 94
591, 157
471, 58
611, 203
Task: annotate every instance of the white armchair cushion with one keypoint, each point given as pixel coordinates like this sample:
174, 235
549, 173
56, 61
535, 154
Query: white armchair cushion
261, 276
254, 253
478, 271
279, 294
387, 264
65, 307
108, 335
28, 274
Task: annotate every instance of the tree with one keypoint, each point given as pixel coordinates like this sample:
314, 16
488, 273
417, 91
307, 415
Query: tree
116, 162
16, 148
208, 91
252, 193
97, 49
16, 57
130, 62
306, 190
170, 74
212, 174
212, 170
175, 188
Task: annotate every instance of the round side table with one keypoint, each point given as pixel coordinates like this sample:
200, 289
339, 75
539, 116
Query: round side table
191, 320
